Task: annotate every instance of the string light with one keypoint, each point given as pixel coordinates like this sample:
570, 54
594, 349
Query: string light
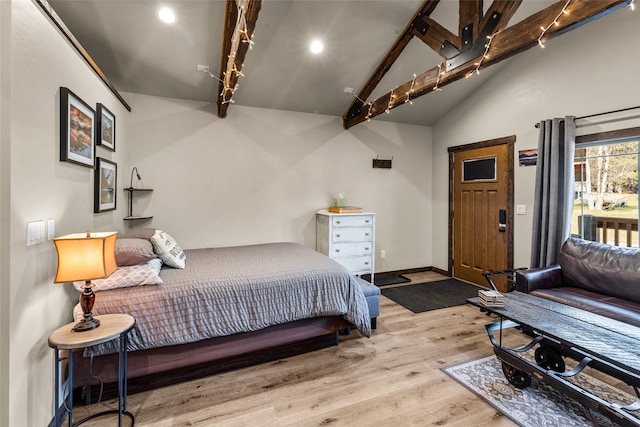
413, 82
235, 70
484, 55
240, 35
390, 101
368, 116
440, 73
555, 22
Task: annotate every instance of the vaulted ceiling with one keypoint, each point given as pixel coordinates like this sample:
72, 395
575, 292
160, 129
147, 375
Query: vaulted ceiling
387, 51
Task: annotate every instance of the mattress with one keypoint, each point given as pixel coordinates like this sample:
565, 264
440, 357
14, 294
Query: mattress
225, 291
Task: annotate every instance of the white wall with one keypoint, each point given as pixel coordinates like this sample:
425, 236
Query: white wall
5, 247
589, 70
38, 186
260, 175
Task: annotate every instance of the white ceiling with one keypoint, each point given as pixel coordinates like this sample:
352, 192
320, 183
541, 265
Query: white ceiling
140, 54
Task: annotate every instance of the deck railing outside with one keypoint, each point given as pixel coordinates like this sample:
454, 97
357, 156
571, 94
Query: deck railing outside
610, 230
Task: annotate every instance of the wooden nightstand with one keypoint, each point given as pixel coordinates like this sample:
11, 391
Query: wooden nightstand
112, 326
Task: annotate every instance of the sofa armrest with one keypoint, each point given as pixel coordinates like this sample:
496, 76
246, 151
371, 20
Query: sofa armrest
539, 278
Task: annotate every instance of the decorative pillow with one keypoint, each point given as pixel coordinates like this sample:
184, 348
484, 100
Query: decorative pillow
168, 250
124, 277
138, 233
133, 251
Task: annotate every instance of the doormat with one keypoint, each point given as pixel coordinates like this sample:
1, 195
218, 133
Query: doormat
385, 279
537, 405
428, 296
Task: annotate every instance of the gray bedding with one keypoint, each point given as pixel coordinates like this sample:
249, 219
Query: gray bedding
223, 291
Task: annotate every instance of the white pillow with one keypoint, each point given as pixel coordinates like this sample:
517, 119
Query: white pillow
168, 250
146, 273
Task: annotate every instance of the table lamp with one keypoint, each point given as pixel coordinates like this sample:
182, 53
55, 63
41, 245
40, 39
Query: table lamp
85, 256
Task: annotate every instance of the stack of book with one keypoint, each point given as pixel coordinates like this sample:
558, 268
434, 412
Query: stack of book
345, 209
491, 298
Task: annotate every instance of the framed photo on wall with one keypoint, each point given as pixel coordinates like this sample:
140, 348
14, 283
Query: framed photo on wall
77, 129
104, 193
106, 126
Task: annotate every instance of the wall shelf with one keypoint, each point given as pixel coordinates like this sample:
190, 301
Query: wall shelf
130, 216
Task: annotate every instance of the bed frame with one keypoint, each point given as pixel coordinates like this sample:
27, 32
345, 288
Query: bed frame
153, 368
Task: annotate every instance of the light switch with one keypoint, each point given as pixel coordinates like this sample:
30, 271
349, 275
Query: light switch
35, 232
521, 209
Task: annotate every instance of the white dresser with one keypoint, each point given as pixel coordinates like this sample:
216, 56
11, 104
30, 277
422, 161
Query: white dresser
348, 238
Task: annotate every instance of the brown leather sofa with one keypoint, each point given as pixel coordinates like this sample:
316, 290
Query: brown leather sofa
592, 276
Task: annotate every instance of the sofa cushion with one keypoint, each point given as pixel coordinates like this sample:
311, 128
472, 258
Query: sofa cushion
604, 269
611, 307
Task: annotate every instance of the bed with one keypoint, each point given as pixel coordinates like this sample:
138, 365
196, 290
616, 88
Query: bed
228, 307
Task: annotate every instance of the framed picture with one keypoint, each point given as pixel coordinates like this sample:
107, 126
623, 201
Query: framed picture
104, 193
77, 129
528, 157
106, 126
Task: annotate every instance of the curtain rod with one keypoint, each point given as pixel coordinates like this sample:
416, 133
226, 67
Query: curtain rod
537, 125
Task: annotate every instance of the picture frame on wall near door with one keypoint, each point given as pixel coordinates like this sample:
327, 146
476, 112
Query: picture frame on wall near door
106, 126
105, 180
77, 129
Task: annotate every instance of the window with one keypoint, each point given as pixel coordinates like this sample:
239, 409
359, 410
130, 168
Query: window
606, 191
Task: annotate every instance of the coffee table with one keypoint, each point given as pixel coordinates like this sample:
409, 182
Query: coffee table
559, 331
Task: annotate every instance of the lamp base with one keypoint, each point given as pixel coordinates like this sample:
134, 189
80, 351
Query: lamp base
86, 325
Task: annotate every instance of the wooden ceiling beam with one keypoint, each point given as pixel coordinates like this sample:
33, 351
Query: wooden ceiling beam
469, 15
396, 49
239, 25
504, 44
436, 36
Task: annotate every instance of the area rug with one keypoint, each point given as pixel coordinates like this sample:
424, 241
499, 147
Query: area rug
428, 296
537, 405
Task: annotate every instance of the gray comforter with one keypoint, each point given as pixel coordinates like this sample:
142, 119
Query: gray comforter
223, 291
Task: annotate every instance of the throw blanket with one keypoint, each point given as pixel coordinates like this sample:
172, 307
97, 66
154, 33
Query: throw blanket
224, 291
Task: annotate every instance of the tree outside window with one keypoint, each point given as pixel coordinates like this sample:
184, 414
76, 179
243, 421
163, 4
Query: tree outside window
606, 192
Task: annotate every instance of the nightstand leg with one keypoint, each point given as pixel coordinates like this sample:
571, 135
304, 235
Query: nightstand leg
70, 376
121, 404
56, 387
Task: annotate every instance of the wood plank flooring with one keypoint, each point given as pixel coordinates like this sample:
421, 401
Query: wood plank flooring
393, 378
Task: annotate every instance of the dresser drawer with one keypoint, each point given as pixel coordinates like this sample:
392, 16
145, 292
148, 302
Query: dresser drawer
351, 249
352, 221
353, 234
359, 264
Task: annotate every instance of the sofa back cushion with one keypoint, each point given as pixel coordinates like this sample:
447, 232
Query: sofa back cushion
609, 270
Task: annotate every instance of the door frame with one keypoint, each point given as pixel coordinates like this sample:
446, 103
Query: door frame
510, 142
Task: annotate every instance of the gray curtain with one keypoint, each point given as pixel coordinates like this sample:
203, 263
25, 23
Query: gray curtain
554, 192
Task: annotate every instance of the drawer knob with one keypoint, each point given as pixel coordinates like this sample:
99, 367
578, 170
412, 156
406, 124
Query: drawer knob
337, 235
366, 249
337, 222
366, 263
337, 250
366, 220
366, 234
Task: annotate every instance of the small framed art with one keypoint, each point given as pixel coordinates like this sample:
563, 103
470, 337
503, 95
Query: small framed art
104, 193
77, 129
106, 126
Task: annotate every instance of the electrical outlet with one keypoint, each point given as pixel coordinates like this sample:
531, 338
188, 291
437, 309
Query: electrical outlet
521, 209
383, 253
203, 68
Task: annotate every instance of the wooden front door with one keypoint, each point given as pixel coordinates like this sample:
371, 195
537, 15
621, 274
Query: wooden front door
482, 211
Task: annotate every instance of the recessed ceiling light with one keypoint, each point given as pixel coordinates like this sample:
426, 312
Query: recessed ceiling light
166, 15
316, 47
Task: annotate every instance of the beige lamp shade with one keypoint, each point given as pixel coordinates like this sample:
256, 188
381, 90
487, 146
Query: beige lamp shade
85, 256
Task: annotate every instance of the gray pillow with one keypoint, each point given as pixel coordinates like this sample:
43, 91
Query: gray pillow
133, 251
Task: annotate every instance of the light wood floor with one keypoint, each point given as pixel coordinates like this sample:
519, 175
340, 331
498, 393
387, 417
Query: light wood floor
393, 378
